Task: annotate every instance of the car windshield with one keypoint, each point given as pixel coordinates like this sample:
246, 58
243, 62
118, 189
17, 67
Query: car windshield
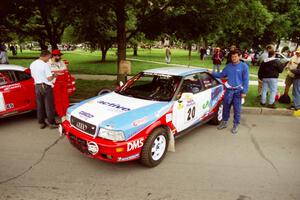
150, 86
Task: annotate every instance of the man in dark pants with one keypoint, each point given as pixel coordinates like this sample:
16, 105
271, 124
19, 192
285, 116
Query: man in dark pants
42, 76
237, 73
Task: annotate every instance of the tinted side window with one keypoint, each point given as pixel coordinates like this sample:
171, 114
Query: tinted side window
22, 76
192, 84
6, 77
208, 81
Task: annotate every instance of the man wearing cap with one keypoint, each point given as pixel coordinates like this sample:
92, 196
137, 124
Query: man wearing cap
61, 97
55, 62
42, 76
292, 64
217, 59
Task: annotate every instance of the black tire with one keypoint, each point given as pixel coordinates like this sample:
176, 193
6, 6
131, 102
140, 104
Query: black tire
103, 91
147, 157
216, 120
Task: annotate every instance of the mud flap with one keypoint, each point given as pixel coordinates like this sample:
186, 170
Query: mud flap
171, 146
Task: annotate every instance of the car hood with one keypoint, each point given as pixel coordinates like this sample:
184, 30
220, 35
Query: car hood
118, 112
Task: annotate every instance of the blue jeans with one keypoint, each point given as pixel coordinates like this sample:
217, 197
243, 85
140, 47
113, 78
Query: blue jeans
296, 93
216, 67
232, 97
269, 84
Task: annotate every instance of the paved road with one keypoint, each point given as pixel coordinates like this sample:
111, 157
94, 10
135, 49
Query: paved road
261, 162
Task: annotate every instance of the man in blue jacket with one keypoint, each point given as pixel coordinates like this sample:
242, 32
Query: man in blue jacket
237, 73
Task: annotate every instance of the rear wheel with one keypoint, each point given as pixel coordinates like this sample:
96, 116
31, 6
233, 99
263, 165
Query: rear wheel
155, 148
216, 120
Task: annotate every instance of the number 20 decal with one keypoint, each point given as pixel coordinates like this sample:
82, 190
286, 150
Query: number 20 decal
191, 113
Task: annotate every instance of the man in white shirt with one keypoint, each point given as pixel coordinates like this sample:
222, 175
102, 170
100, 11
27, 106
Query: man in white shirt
42, 76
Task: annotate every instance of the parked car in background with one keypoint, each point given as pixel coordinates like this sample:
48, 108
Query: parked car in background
17, 91
280, 56
139, 119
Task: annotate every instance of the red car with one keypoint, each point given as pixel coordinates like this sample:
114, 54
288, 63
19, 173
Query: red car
17, 93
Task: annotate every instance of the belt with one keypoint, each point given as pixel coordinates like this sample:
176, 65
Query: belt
229, 87
42, 84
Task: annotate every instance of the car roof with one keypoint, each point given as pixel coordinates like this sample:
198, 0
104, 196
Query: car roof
11, 67
176, 71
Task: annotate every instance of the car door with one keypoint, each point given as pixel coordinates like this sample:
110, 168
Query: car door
12, 93
27, 91
192, 104
7, 91
213, 90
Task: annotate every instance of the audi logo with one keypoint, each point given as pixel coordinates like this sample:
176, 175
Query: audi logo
81, 126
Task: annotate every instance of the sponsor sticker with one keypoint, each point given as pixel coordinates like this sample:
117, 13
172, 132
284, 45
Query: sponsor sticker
93, 148
85, 115
139, 121
205, 105
11, 86
129, 157
180, 106
114, 106
135, 144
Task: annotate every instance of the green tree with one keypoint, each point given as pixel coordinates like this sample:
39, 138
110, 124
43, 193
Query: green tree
43, 20
96, 25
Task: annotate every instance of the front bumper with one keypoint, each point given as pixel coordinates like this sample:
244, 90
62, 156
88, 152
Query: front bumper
100, 148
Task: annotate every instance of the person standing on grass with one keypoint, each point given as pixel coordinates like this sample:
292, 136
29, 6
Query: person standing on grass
41, 73
264, 56
202, 53
237, 73
217, 59
292, 64
3, 55
296, 88
168, 55
268, 72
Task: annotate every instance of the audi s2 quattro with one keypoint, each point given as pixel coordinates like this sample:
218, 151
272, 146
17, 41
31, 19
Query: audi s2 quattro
139, 119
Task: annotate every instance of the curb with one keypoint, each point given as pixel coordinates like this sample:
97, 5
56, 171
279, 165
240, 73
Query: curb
267, 111
245, 110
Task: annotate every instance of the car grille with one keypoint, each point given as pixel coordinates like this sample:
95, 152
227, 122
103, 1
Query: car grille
83, 126
79, 143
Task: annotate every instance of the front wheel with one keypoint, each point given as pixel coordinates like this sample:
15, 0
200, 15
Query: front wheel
103, 91
216, 120
155, 148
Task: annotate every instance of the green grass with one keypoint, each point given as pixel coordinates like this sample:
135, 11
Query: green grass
85, 62
253, 101
90, 88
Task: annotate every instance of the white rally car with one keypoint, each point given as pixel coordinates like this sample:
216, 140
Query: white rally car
140, 119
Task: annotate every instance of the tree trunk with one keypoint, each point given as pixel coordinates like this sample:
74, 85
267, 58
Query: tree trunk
43, 45
190, 50
54, 45
121, 35
135, 49
277, 45
103, 53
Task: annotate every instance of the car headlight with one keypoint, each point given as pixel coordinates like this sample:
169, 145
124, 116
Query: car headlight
111, 134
